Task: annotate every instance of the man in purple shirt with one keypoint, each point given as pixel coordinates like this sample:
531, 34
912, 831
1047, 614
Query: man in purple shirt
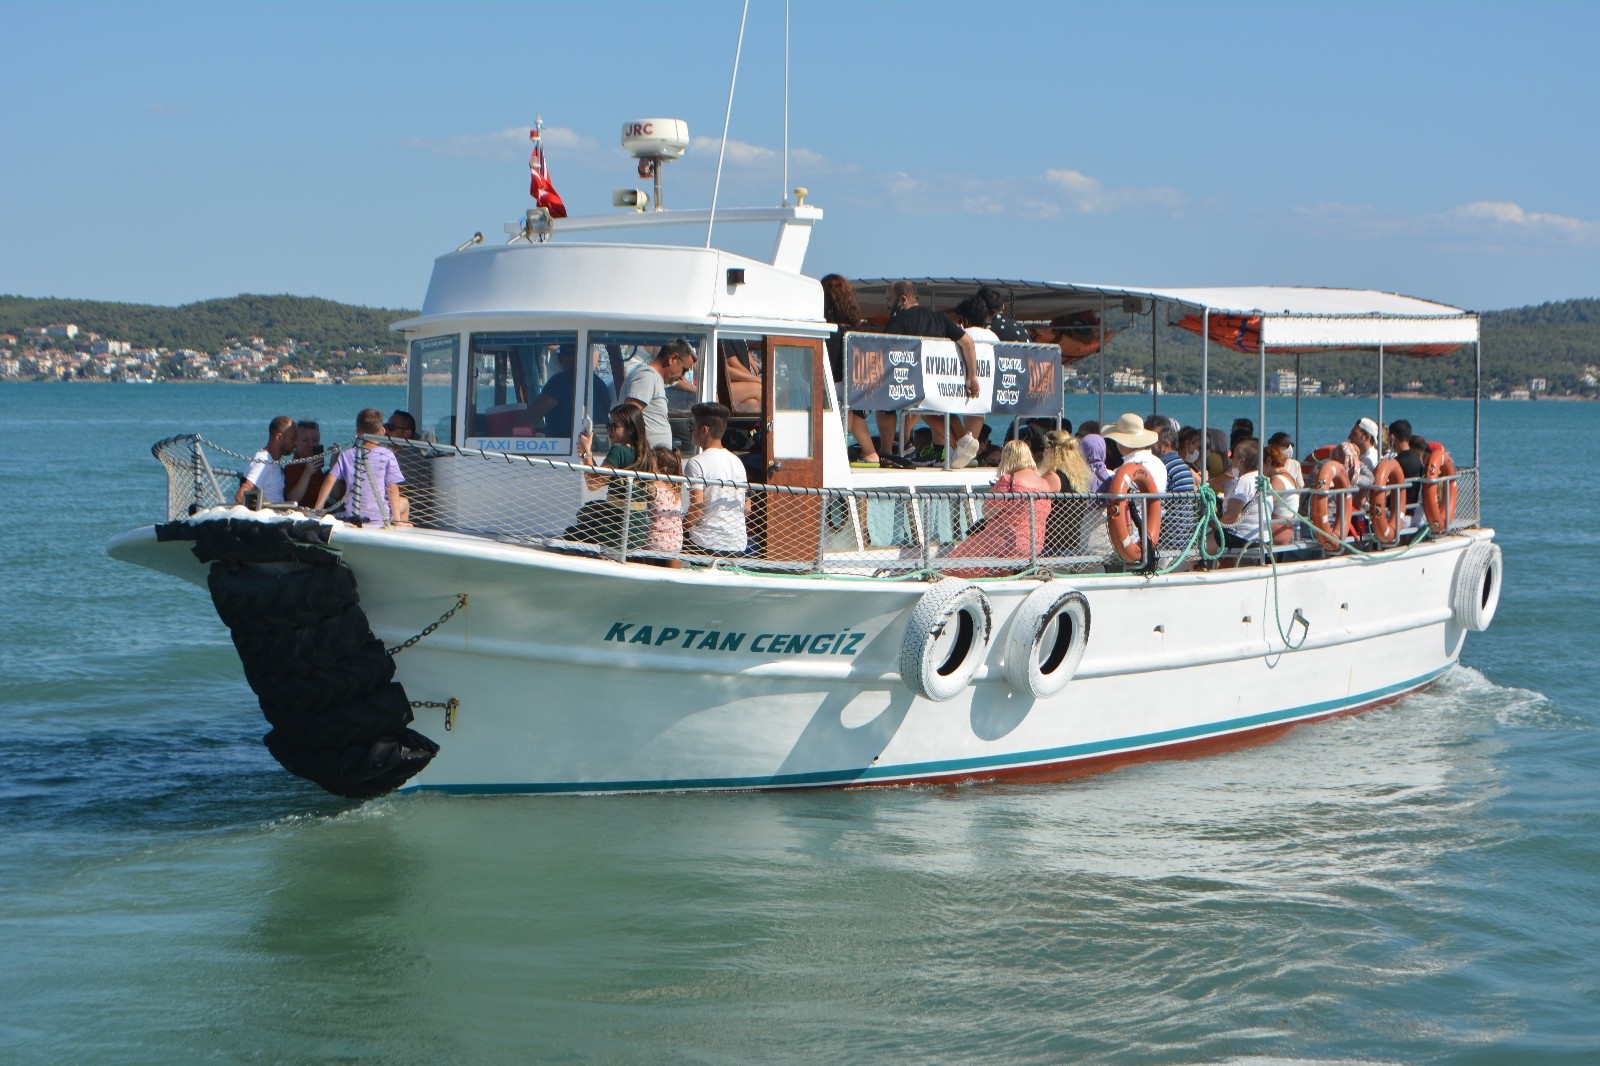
371, 476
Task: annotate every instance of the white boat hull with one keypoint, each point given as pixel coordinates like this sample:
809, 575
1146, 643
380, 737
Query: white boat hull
579, 676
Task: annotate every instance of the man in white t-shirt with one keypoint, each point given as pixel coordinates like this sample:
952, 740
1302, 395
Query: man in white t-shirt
646, 387
265, 476
715, 522
1364, 435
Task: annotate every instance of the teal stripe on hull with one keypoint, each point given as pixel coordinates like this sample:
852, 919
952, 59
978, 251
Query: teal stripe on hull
1020, 760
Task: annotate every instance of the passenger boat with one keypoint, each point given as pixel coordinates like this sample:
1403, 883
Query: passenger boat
854, 643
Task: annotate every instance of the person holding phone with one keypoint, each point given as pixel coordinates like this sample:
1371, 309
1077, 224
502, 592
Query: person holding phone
303, 477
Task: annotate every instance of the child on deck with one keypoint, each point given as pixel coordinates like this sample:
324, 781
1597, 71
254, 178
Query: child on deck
371, 477
665, 505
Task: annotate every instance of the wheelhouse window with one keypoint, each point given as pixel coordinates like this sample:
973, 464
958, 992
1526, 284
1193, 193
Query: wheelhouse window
431, 393
525, 385
793, 398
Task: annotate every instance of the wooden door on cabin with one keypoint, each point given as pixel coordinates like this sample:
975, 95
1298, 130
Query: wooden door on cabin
794, 375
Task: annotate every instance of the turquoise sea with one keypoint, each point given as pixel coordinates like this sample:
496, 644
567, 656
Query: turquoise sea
1419, 884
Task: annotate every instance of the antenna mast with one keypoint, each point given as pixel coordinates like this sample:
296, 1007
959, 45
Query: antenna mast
722, 150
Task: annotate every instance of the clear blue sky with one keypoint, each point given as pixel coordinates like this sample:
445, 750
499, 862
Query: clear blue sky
166, 152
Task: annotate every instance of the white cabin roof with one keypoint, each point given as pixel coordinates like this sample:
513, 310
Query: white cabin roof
540, 276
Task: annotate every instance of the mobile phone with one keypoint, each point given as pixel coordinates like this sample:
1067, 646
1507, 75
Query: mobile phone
252, 499
588, 425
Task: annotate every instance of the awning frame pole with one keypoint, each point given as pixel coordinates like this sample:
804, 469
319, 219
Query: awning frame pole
1155, 378
1379, 441
1205, 392
1298, 363
1100, 411
1264, 533
1477, 404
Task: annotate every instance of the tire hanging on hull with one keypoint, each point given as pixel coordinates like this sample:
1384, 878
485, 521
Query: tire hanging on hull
324, 682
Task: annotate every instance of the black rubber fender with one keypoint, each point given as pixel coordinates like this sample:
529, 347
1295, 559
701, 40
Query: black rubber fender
296, 597
322, 679
359, 771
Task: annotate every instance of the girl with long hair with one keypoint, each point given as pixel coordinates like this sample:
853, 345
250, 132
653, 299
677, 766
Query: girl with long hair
839, 306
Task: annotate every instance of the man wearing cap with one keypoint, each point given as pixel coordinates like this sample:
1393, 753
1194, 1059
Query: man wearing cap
1135, 442
1364, 435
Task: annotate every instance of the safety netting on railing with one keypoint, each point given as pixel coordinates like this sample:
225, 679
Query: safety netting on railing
640, 516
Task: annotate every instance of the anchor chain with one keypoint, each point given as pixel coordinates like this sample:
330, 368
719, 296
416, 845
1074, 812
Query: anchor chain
461, 601
449, 710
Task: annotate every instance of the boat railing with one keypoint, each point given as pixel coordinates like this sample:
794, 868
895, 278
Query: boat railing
1362, 517
635, 516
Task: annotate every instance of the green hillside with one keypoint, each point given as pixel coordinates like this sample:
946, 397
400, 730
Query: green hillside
206, 326
1554, 341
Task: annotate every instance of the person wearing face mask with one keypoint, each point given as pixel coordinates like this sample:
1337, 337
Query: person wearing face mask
1189, 450
1179, 477
1281, 439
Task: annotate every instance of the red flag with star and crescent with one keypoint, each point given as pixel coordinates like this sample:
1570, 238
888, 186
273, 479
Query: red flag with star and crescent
539, 185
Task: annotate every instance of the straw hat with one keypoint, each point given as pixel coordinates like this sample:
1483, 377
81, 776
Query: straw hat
1129, 432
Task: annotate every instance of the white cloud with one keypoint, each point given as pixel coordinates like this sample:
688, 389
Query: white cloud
761, 157
740, 153
1089, 196
1503, 218
509, 143
1042, 196
1496, 225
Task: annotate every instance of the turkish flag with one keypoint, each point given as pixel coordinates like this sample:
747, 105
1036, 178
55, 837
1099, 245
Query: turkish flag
539, 185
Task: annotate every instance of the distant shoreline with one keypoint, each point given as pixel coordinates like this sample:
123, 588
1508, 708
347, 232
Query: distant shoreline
398, 381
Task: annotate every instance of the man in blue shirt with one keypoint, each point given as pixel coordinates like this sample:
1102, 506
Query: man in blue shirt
558, 400
1180, 513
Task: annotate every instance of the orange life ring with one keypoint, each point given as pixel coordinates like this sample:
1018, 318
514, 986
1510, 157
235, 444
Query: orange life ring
1313, 462
1331, 531
1131, 477
1386, 507
1439, 497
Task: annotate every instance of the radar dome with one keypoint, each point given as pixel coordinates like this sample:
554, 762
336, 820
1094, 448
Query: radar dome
655, 138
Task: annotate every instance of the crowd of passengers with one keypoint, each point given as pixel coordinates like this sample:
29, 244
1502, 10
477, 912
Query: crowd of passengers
1041, 457
370, 481
663, 519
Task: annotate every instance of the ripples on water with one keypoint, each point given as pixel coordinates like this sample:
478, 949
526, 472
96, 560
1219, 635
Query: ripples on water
1413, 884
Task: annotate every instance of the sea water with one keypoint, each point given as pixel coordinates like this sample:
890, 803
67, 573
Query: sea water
1420, 883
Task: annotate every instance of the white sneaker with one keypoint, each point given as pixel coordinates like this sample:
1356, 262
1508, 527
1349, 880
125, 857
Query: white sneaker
966, 452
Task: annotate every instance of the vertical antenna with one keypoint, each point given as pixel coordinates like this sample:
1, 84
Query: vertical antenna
716, 186
785, 189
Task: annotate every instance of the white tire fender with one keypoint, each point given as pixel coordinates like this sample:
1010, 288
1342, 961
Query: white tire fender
1476, 592
1046, 641
946, 639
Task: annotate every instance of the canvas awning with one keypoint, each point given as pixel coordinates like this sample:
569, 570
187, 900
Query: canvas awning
1287, 317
